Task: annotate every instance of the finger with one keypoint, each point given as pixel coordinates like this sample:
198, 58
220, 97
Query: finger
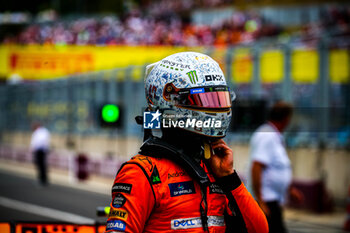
215, 156
218, 145
217, 142
221, 147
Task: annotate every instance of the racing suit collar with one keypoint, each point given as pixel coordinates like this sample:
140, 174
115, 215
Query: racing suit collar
190, 143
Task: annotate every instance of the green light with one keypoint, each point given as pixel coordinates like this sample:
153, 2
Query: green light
110, 113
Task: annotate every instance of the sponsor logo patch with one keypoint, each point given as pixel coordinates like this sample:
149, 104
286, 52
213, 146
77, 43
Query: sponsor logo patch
192, 75
116, 225
189, 223
213, 77
176, 174
202, 58
182, 188
174, 65
197, 91
118, 213
119, 200
215, 188
122, 188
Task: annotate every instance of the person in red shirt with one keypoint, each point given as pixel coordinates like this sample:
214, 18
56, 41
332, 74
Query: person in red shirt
184, 180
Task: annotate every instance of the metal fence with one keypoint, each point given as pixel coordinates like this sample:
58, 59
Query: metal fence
314, 77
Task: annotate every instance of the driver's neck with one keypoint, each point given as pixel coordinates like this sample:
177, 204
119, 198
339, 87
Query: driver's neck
190, 143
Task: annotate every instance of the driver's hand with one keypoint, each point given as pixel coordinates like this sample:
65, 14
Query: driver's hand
221, 162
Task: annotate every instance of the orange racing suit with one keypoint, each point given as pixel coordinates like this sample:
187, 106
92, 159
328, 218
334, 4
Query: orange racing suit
156, 195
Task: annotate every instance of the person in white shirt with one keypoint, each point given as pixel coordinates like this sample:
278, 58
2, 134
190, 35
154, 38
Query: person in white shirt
40, 146
271, 173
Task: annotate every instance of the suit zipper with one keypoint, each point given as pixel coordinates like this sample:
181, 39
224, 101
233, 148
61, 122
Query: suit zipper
204, 211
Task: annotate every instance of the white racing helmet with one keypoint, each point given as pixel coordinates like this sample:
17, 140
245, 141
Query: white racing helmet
190, 91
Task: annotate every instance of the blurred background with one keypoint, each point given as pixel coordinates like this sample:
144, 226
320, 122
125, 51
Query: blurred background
63, 61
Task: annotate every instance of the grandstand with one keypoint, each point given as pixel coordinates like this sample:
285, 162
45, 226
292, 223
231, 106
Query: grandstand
155, 26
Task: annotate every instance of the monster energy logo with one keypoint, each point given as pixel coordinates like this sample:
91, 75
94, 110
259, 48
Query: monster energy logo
193, 76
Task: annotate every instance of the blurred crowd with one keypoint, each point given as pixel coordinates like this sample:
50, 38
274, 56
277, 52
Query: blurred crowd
168, 23
138, 29
335, 21
168, 7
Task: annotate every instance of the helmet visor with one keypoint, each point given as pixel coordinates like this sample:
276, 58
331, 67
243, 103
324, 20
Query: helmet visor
205, 97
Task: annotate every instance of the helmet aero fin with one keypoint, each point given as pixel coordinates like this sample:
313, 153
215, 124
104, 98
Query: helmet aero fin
149, 69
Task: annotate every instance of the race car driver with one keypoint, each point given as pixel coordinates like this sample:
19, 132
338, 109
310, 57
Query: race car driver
184, 181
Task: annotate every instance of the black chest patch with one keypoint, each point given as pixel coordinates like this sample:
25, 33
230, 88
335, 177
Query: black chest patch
155, 178
215, 188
